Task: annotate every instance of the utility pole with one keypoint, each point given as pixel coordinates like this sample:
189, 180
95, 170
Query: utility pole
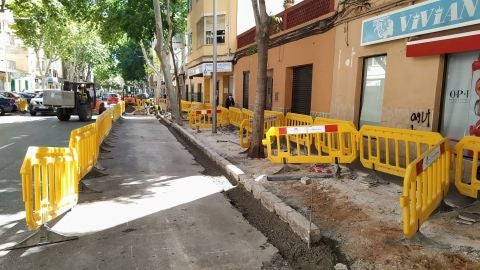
214, 76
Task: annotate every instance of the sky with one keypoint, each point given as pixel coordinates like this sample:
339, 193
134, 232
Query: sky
245, 19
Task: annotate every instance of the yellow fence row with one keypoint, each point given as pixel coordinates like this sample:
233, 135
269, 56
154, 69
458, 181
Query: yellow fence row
84, 141
271, 119
425, 184
202, 118
118, 109
51, 175
235, 116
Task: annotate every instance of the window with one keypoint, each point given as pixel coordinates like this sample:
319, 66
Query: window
461, 112
189, 6
189, 42
374, 71
205, 30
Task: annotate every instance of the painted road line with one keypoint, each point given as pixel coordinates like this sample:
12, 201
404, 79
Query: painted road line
5, 146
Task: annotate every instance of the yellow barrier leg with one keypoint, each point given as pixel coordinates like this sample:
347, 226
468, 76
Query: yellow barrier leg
42, 236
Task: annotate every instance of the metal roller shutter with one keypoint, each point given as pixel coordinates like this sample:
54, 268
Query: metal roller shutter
302, 89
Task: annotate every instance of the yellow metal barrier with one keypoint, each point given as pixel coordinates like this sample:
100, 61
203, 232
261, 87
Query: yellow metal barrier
425, 184
294, 144
122, 107
471, 185
271, 119
223, 116
22, 105
185, 105
117, 112
390, 150
235, 116
202, 118
345, 142
104, 124
294, 120
84, 141
49, 183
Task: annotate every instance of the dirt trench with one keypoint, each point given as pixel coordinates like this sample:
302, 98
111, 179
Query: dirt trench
293, 252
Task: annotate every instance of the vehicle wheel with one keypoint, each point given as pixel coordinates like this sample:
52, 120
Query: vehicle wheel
33, 112
63, 115
84, 112
2, 111
101, 110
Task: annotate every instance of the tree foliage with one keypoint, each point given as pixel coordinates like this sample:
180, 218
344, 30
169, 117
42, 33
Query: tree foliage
56, 28
130, 61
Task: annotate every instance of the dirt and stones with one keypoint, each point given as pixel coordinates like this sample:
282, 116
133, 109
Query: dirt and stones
365, 219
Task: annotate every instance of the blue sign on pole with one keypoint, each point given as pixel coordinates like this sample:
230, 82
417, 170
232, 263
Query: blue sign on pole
427, 17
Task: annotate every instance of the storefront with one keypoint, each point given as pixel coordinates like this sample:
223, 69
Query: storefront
299, 76
199, 83
415, 67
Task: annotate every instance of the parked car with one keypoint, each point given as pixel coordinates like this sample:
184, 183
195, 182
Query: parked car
26, 96
36, 105
142, 96
112, 98
6, 104
12, 95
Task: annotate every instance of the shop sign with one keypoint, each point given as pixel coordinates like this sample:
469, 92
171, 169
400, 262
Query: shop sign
206, 69
427, 17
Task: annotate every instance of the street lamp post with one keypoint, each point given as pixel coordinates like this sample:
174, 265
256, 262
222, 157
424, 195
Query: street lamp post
214, 76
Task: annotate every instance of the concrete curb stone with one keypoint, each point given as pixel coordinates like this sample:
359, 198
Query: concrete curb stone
309, 233
257, 190
248, 184
282, 210
301, 226
269, 200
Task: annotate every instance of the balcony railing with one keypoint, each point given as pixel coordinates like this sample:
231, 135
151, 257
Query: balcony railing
301, 13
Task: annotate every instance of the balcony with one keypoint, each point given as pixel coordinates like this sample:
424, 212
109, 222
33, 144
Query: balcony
301, 13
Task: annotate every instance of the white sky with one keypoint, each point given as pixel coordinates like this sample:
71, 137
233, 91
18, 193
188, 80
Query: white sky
245, 19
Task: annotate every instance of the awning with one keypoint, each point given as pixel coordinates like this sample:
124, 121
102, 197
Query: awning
468, 41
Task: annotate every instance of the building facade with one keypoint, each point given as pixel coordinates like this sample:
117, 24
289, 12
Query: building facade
199, 85
18, 64
300, 62
411, 66
388, 63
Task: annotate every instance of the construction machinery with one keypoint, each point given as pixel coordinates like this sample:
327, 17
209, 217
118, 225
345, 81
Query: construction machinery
75, 98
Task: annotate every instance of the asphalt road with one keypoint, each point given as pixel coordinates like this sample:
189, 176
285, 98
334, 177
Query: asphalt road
159, 209
17, 133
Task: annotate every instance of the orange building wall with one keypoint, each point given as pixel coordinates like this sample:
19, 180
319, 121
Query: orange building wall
411, 84
316, 50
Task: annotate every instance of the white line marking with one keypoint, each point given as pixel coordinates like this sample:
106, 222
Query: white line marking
5, 146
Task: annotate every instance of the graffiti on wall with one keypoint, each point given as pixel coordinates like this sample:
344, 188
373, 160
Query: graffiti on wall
420, 118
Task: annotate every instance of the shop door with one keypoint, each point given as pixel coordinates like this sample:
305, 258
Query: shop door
246, 81
461, 108
302, 89
268, 93
374, 73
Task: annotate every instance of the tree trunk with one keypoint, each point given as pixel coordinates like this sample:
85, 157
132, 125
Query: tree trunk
261, 38
154, 69
161, 48
177, 78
